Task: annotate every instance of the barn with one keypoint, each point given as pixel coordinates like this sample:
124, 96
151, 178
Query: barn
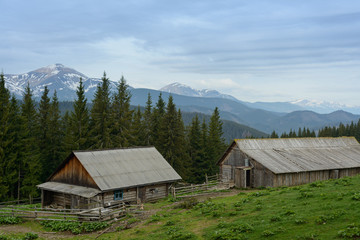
88, 179
289, 161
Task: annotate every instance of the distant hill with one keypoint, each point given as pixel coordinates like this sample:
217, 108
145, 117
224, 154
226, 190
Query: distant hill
264, 116
231, 129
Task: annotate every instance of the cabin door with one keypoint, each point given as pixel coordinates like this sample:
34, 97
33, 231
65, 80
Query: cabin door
142, 194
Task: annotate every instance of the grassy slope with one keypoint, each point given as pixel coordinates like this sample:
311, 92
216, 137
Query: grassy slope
314, 211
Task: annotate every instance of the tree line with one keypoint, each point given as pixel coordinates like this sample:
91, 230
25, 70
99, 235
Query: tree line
348, 130
36, 138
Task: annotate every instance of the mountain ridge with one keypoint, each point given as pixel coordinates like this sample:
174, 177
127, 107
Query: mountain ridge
65, 81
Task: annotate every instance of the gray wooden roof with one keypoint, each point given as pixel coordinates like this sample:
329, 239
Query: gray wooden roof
288, 155
69, 189
124, 168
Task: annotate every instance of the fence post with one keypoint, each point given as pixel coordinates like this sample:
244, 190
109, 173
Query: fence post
173, 192
35, 213
206, 178
100, 214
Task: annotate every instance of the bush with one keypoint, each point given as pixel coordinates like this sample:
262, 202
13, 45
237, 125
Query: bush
210, 208
305, 195
300, 221
154, 218
356, 196
275, 219
323, 219
10, 220
316, 184
267, 233
351, 231
177, 233
74, 227
188, 203
30, 236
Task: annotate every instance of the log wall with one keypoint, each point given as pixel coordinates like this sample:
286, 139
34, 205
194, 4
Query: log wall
74, 173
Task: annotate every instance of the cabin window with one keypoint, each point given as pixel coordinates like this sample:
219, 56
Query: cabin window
118, 195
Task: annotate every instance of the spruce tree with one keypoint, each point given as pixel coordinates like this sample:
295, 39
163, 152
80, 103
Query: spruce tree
196, 151
30, 167
137, 129
56, 136
5, 139
101, 117
156, 121
78, 138
147, 122
44, 138
121, 115
216, 142
15, 150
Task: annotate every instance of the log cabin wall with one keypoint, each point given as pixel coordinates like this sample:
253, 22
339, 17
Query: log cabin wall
260, 175
293, 179
74, 173
234, 159
155, 192
129, 195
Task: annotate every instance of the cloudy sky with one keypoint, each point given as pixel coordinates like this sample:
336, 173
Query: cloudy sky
261, 50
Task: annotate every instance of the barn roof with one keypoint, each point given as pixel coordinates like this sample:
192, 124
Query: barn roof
128, 167
288, 155
69, 189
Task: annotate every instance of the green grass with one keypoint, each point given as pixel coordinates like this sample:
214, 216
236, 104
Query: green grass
320, 210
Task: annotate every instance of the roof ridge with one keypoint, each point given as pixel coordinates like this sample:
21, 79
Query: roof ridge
110, 149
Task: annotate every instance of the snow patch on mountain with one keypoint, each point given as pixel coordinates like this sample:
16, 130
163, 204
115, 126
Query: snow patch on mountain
182, 89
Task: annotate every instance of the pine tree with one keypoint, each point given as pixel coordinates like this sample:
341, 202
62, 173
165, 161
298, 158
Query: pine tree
5, 139
156, 121
101, 116
121, 115
147, 122
15, 150
55, 136
196, 151
137, 129
79, 122
44, 138
274, 135
30, 167
216, 142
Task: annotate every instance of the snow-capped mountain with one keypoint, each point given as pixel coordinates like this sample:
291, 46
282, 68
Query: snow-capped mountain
181, 89
325, 107
56, 77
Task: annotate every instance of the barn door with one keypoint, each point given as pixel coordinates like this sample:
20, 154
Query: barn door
142, 194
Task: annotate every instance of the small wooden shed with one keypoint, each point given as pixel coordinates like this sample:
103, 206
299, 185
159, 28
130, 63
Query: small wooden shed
289, 161
88, 179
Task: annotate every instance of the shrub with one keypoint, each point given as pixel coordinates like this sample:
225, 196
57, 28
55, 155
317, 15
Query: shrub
154, 218
351, 231
177, 233
309, 236
74, 227
226, 234
356, 196
259, 194
275, 219
305, 195
316, 184
169, 223
346, 181
210, 208
10, 220
267, 233
323, 219
300, 221
288, 212
30, 236
188, 203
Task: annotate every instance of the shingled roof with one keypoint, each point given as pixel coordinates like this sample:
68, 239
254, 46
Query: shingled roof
289, 155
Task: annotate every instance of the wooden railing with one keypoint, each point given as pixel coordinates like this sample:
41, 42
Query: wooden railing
212, 183
96, 214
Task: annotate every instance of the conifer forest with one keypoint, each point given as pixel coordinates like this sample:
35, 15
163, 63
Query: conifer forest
35, 137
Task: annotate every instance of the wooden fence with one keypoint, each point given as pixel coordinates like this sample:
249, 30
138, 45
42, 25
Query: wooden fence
96, 214
211, 184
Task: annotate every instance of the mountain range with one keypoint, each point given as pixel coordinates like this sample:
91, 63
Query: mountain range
264, 116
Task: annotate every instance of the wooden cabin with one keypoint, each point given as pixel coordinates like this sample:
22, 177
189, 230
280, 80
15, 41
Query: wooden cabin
289, 161
88, 179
